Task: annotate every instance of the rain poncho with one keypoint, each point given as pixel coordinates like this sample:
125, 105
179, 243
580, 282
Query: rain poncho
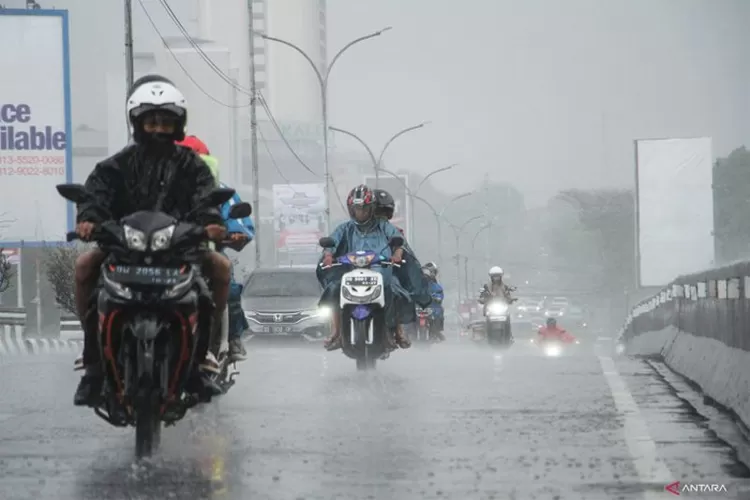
404, 283
437, 295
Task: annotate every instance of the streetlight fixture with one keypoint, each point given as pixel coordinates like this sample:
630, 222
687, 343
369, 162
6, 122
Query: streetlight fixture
458, 230
323, 81
376, 162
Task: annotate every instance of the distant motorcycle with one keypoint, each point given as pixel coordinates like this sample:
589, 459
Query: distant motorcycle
364, 334
497, 322
151, 303
424, 324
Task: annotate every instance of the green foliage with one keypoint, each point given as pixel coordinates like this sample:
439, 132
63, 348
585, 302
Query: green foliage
731, 186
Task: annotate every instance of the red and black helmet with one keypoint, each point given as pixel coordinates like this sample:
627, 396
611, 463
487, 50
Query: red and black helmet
360, 196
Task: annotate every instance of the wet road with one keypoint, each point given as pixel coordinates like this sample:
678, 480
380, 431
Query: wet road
454, 422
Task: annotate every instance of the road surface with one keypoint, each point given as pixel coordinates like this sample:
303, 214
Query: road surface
452, 422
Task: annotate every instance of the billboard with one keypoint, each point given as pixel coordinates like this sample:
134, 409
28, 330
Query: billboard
399, 188
35, 153
35, 127
299, 221
675, 210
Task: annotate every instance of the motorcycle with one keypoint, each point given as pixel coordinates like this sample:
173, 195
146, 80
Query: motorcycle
497, 322
554, 348
424, 324
225, 376
364, 335
151, 303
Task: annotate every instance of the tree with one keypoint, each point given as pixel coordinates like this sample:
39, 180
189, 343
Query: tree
731, 188
607, 218
60, 269
6, 272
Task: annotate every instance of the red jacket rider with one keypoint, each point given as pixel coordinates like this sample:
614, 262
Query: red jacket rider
554, 332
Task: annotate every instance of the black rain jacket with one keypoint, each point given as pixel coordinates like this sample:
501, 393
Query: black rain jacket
138, 178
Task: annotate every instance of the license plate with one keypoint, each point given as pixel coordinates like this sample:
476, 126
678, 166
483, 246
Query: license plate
145, 275
362, 281
277, 329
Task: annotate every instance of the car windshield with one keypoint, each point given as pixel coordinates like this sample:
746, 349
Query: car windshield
282, 284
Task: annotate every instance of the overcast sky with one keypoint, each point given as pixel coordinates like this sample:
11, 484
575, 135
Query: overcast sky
545, 94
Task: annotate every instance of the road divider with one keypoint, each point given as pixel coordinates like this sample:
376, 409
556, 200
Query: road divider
700, 326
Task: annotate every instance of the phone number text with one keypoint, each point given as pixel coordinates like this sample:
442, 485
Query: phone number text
31, 171
32, 160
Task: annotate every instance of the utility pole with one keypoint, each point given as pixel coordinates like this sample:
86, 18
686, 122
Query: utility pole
487, 251
466, 275
129, 74
254, 135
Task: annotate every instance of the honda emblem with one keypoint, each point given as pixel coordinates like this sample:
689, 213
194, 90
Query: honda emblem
277, 318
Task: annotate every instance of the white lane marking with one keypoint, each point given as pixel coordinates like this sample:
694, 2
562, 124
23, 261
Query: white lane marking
641, 446
497, 367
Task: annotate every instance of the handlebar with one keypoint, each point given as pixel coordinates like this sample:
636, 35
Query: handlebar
384, 263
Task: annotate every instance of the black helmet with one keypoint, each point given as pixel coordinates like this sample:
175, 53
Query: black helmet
385, 205
551, 322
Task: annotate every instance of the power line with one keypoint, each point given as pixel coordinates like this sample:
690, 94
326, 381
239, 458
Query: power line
182, 67
260, 97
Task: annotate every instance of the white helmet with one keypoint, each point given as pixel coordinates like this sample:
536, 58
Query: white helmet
495, 271
157, 93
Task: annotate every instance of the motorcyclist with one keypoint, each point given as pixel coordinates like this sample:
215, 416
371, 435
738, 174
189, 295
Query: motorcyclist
151, 173
430, 271
363, 231
496, 287
241, 233
385, 207
553, 332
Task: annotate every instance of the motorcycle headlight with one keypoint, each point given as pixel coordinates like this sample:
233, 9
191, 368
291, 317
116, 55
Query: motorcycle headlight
497, 308
324, 312
162, 238
135, 239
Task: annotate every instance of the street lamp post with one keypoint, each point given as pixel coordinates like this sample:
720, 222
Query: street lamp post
413, 194
323, 81
457, 232
376, 162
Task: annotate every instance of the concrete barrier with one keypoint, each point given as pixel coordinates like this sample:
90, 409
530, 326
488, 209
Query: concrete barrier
14, 341
699, 326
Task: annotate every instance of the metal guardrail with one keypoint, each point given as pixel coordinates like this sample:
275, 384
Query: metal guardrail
714, 303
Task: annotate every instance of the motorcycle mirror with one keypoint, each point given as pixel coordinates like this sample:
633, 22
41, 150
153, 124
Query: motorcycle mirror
396, 241
240, 210
73, 192
219, 196
326, 242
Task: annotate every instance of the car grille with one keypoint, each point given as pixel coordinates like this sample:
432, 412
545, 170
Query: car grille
279, 318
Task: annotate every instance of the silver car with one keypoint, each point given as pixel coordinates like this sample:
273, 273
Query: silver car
282, 303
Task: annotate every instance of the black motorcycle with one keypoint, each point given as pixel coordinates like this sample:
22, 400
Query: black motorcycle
151, 303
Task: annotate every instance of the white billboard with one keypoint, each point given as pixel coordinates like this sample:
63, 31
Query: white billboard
35, 127
675, 211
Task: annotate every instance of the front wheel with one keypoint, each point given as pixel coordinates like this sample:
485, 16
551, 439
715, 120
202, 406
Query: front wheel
147, 430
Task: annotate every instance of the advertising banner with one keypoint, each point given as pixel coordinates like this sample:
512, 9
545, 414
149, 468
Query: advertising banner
675, 208
35, 127
299, 221
398, 189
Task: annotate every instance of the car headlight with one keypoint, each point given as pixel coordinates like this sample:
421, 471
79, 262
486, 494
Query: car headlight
135, 239
324, 312
497, 309
162, 238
